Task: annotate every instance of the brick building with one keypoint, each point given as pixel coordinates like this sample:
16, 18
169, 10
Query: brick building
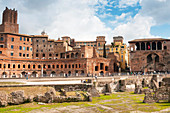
150, 55
9, 21
98, 44
40, 56
120, 48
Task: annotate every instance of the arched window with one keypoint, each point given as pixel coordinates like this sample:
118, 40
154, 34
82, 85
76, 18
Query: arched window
29, 65
148, 46
142, 46
153, 46
159, 46
72, 55
106, 68
137, 46
69, 73
43, 55
76, 55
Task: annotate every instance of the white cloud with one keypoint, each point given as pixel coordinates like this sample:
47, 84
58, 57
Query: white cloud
60, 18
104, 15
153, 12
113, 22
158, 9
77, 18
109, 9
126, 3
138, 27
122, 16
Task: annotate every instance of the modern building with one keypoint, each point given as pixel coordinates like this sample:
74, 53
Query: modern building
39, 56
150, 55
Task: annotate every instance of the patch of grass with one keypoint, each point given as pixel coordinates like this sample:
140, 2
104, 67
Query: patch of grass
112, 102
124, 102
100, 109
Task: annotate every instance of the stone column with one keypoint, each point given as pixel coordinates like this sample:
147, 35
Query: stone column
145, 46
42, 70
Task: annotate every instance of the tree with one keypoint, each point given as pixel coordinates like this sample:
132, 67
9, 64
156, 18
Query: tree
113, 44
104, 51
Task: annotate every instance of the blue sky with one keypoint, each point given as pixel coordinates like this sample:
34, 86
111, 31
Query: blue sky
87, 19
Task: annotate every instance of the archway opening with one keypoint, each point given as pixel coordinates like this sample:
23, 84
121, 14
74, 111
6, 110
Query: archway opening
4, 75
76, 72
152, 57
67, 56
72, 55
148, 46
34, 73
44, 74
137, 46
76, 55
153, 46
101, 73
82, 72
142, 46
159, 46
69, 73
106, 68
53, 73
23, 73
61, 73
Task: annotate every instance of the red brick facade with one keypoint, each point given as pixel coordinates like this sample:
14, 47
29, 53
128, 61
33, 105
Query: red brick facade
150, 55
39, 56
9, 21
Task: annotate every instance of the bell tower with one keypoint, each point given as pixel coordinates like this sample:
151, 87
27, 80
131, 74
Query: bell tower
9, 21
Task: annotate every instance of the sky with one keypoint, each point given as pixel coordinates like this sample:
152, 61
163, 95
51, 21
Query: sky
84, 20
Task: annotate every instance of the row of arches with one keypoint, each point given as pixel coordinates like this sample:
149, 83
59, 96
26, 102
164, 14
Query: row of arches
67, 55
39, 66
149, 46
25, 74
